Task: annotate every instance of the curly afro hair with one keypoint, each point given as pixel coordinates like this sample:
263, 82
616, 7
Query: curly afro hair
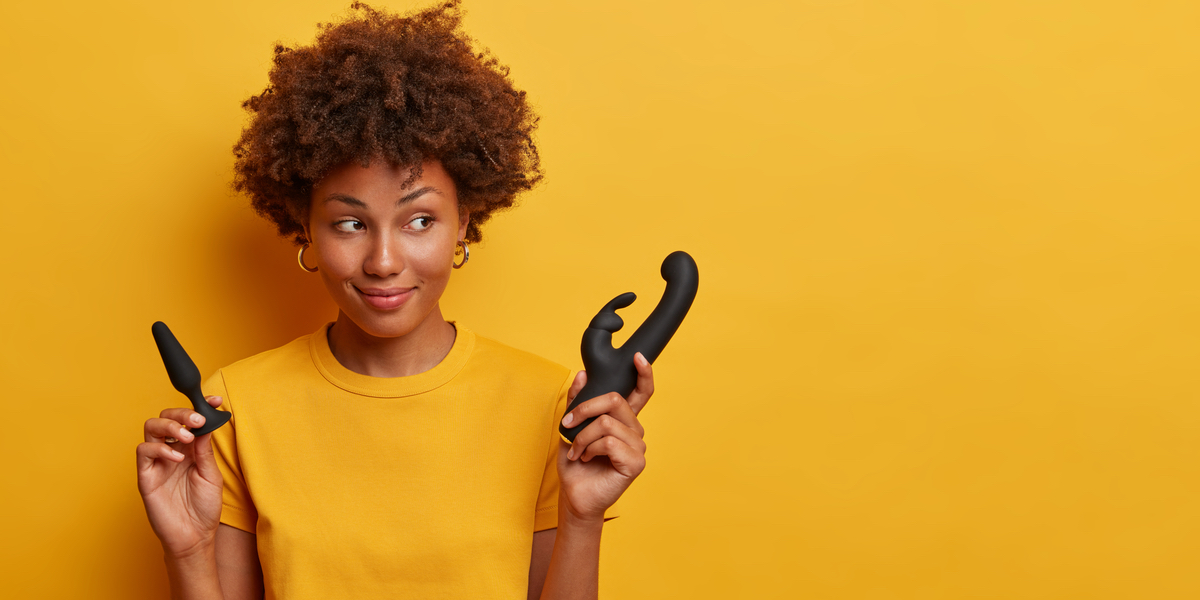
404, 88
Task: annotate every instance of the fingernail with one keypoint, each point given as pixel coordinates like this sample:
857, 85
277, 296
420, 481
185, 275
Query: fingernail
567, 420
197, 419
185, 434
177, 453
571, 454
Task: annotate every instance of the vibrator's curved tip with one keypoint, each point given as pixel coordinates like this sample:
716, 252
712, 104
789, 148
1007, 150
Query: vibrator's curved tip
678, 264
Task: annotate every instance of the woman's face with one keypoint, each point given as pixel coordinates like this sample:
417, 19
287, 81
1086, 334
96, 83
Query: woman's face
384, 250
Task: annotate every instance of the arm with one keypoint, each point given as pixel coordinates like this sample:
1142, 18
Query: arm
194, 576
539, 563
228, 570
181, 487
237, 564
605, 458
574, 572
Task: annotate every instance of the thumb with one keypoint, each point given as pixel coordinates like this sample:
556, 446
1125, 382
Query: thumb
206, 462
580, 381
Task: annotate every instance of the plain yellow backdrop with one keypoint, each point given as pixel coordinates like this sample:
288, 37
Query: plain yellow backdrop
945, 344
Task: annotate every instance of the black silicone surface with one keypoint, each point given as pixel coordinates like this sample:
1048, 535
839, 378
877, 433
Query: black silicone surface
186, 378
611, 369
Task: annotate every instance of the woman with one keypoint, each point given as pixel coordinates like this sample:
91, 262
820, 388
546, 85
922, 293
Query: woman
391, 453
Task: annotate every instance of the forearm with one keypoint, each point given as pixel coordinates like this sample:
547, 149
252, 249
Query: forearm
194, 577
574, 572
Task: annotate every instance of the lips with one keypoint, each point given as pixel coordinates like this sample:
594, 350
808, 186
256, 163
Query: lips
386, 299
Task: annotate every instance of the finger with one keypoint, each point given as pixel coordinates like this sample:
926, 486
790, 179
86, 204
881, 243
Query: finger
158, 430
645, 383
183, 416
604, 426
627, 461
148, 452
611, 403
580, 381
205, 461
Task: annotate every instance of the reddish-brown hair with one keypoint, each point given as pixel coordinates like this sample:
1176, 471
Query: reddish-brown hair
401, 88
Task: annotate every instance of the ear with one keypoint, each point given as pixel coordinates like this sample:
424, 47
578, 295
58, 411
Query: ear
304, 223
464, 217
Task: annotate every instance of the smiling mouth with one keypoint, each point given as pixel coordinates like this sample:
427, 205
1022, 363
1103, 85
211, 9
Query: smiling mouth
386, 299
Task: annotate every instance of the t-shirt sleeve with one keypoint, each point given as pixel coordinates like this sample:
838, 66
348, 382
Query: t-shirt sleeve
237, 509
546, 515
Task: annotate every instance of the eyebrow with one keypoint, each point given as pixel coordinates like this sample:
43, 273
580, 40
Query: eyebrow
352, 201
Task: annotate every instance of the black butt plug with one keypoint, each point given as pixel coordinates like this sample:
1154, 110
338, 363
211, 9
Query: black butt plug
186, 378
611, 369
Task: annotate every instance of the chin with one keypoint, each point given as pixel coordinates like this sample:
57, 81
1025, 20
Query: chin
385, 325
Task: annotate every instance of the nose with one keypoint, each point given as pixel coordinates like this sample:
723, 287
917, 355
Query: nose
385, 256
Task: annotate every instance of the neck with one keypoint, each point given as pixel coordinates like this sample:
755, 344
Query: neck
415, 352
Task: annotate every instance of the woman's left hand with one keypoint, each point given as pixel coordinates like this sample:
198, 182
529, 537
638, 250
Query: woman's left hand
609, 453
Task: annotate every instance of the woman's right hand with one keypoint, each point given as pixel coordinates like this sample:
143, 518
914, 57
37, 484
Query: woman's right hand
180, 482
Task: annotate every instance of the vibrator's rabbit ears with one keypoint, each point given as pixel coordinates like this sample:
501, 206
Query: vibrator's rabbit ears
683, 279
611, 369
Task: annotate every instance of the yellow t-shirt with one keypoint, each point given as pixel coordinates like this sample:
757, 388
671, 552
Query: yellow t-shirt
428, 486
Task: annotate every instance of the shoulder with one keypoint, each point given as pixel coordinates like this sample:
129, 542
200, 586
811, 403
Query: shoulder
286, 358
252, 372
501, 360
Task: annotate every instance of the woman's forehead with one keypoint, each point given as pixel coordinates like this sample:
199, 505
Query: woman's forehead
380, 183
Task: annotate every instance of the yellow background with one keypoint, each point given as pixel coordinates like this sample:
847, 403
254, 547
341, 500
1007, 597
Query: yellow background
946, 339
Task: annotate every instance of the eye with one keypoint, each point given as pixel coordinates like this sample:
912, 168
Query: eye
421, 223
348, 226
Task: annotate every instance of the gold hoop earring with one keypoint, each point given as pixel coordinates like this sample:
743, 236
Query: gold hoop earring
300, 259
466, 255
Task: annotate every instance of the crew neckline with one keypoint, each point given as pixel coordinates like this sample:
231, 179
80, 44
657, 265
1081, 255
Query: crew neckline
390, 387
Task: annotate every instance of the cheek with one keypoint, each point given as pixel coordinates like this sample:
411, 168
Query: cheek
338, 260
432, 261
428, 259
